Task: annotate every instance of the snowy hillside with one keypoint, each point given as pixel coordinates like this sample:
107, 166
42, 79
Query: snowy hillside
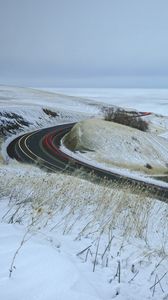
117, 147
70, 237
21, 108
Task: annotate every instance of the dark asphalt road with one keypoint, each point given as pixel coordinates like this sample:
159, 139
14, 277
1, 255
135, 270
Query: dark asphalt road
42, 147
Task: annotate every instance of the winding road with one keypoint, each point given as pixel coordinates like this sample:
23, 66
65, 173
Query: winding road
42, 147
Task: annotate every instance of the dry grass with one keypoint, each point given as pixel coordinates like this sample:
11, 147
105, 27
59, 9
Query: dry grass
50, 113
121, 116
102, 215
70, 201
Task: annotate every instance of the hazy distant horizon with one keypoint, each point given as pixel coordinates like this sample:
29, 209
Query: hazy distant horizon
87, 43
115, 83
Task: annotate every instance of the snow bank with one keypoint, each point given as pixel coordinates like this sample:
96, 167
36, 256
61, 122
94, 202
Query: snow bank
119, 146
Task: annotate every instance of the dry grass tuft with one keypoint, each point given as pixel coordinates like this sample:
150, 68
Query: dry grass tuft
50, 113
100, 214
65, 200
121, 116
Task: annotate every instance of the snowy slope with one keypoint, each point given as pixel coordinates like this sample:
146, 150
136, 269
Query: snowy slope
153, 100
68, 227
118, 148
29, 105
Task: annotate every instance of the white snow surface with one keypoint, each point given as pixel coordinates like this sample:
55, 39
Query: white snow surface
117, 148
153, 100
48, 265
42, 270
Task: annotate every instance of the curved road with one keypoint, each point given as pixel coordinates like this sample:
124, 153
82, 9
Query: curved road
42, 147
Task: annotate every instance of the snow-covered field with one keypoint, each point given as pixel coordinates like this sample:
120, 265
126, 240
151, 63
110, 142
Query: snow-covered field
121, 149
63, 237
154, 100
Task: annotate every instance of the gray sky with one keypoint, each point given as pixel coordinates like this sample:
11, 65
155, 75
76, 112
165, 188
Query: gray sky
84, 43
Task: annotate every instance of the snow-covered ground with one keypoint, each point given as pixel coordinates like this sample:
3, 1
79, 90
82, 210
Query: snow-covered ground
117, 148
154, 100
63, 237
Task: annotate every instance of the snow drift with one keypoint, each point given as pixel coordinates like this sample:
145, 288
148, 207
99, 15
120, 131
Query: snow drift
119, 146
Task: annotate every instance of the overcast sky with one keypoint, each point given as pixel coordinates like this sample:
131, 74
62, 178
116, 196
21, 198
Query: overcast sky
84, 43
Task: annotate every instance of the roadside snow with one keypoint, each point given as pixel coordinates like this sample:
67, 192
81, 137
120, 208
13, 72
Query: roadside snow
118, 148
72, 226
43, 270
53, 262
